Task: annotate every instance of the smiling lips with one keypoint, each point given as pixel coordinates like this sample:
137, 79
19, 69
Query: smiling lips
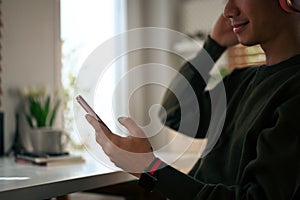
239, 27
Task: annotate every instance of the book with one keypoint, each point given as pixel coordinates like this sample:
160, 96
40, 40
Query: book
48, 160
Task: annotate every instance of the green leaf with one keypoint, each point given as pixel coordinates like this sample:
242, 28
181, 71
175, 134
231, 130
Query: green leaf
29, 120
41, 108
45, 112
53, 115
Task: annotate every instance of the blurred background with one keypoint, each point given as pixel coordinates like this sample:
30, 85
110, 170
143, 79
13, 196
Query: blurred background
45, 43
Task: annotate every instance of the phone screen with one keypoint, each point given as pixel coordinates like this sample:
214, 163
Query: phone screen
88, 108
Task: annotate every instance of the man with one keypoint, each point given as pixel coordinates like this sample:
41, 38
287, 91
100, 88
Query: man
258, 153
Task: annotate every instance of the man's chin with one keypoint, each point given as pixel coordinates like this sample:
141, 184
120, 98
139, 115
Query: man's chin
247, 43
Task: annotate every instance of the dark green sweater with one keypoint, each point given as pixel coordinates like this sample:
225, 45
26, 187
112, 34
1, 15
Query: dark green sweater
258, 153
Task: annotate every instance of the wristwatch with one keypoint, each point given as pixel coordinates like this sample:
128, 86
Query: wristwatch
149, 176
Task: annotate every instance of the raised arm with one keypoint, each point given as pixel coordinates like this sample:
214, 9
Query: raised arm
196, 75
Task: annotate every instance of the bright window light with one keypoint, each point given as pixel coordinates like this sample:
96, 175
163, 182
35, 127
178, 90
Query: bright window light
85, 24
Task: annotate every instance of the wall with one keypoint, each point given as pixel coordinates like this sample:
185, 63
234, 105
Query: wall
200, 15
186, 16
154, 13
31, 51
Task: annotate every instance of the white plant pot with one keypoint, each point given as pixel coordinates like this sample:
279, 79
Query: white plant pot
47, 140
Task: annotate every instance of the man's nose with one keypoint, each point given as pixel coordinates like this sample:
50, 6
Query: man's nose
231, 9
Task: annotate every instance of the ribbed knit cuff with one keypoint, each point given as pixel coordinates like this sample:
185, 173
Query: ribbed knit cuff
214, 49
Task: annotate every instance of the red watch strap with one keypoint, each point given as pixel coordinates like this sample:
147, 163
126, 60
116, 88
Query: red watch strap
155, 166
148, 178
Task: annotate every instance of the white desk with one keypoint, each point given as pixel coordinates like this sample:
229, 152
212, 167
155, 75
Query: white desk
37, 182
19, 181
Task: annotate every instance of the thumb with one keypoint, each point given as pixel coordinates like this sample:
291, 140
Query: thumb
132, 127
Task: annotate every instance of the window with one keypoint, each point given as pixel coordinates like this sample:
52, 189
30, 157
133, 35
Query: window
85, 24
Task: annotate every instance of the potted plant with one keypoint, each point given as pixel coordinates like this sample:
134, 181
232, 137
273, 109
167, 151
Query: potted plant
41, 108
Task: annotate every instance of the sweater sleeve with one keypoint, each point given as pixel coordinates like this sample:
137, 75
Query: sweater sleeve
194, 73
273, 174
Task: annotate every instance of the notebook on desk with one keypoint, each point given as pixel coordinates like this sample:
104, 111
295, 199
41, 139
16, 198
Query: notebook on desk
48, 159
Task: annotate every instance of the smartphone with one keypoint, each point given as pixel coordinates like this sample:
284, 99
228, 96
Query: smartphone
88, 108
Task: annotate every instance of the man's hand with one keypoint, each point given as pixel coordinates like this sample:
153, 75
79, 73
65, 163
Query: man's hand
223, 33
132, 153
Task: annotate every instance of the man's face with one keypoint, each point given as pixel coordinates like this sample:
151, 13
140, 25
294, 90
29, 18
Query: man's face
254, 21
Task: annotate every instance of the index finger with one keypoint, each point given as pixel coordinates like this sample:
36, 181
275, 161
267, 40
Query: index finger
99, 126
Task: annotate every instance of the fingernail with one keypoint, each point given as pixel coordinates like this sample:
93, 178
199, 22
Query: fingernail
122, 119
88, 117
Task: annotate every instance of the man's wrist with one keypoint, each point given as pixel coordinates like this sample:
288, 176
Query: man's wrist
213, 48
149, 177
